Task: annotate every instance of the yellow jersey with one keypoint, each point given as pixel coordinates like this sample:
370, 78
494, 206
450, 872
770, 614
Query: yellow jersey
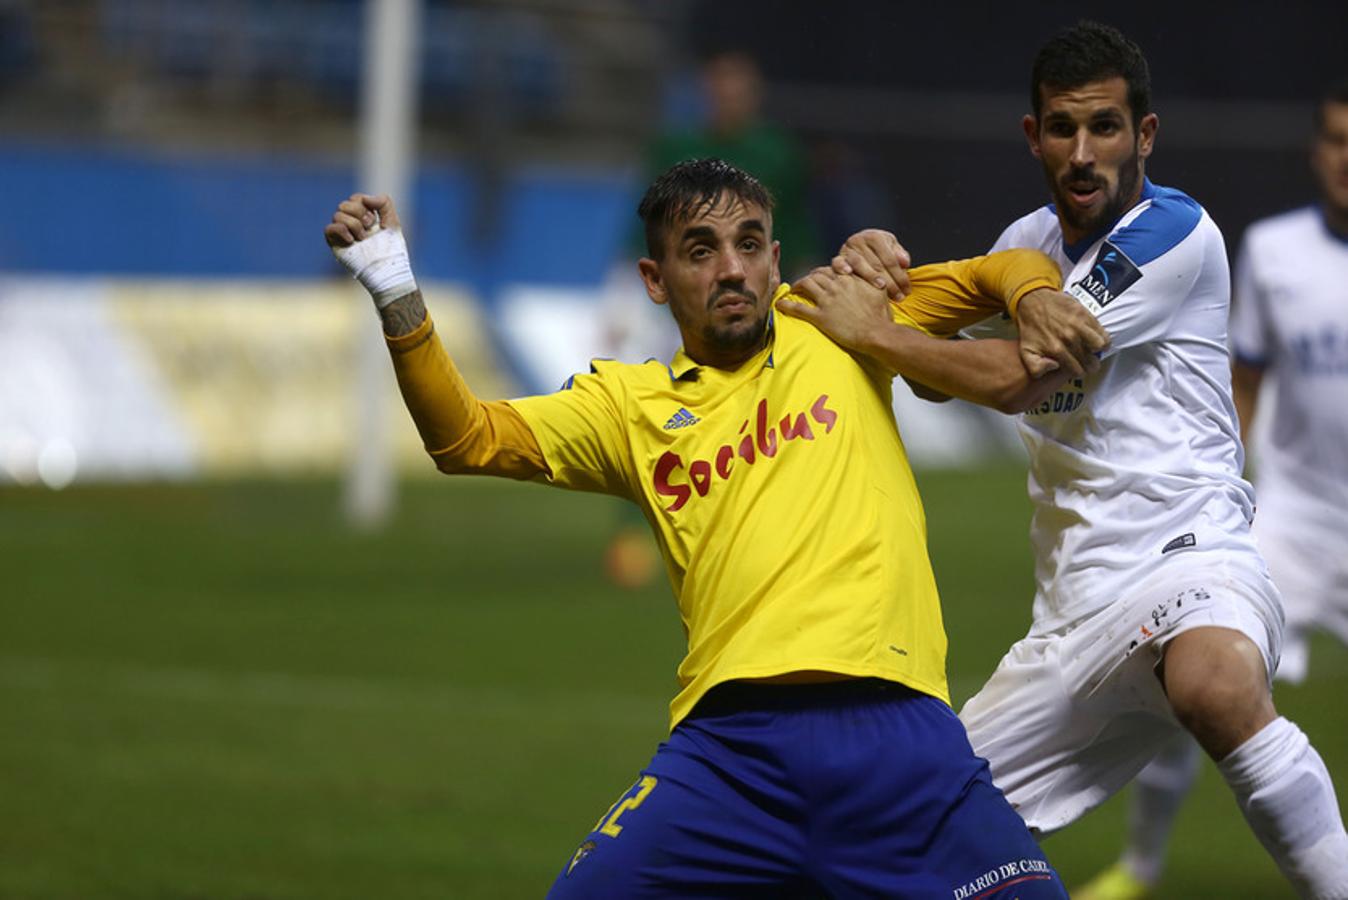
779, 492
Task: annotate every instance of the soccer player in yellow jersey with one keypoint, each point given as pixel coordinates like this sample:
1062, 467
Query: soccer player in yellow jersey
813, 751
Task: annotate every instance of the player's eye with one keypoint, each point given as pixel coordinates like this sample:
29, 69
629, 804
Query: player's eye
750, 245
1106, 127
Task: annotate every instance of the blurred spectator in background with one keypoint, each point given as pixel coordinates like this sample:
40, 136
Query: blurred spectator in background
736, 131
729, 126
732, 129
846, 195
1290, 320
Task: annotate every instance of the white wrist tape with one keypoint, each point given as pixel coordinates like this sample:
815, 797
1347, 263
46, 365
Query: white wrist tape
380, 263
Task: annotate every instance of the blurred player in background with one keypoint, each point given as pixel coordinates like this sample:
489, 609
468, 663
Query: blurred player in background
1154, 610
813, 752
736, 130
1289, 319
732, 128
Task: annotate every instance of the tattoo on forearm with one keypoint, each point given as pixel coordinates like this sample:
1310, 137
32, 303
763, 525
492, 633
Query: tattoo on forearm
403, 315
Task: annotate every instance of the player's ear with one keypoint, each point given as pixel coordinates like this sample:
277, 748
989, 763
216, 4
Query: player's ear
650, 273
1030, 125
775, 276
1146, 134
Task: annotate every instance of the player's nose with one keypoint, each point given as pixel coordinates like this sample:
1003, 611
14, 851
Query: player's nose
1083, 154
732, 268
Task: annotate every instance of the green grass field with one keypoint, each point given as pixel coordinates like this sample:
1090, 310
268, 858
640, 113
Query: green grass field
217, 691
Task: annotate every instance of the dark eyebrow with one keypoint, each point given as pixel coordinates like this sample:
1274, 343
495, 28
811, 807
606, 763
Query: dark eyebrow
697, 233
753, 225
707, 233
1112, 112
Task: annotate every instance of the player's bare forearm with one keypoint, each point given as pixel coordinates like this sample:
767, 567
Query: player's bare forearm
858, 316
923, 392
1245, 382
986, 372
404, 315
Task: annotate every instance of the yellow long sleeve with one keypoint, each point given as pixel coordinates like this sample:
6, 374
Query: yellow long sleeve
948, 296
460, 432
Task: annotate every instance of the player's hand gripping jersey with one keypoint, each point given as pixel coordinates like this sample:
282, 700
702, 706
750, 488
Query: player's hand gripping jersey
779, 492
1140, 462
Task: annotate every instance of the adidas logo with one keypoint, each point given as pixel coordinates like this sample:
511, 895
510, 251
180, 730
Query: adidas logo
681, 419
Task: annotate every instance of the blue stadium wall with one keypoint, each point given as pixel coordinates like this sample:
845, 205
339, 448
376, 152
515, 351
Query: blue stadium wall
114, 213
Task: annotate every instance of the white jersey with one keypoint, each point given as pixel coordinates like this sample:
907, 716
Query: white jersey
1291, 316
1138, 465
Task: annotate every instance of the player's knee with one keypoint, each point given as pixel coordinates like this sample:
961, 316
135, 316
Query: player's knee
1202, 706
1218, 690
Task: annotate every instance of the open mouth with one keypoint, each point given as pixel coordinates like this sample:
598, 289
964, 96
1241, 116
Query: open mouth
1083, 193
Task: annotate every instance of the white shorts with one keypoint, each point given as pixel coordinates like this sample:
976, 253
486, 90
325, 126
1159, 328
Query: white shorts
1073, 713
1310, 567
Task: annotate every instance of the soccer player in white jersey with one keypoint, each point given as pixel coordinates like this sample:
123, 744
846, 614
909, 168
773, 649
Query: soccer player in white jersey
1154, 612
1289, 318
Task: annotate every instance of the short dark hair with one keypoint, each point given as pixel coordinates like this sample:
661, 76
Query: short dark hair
1089, 51
692, 187
1337, 92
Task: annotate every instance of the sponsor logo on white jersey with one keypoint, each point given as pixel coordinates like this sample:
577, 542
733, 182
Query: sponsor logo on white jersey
1111, 275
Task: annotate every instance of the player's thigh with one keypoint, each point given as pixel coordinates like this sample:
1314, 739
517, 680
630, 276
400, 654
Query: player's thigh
1311, 572
1019, 720
1064, 730
988, 852
678, 832
926, 821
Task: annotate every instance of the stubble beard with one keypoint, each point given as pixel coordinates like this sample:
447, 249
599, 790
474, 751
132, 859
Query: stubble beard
1116, 203
738, 336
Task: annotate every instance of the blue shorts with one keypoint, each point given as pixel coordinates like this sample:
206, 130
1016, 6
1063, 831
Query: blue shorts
849, 789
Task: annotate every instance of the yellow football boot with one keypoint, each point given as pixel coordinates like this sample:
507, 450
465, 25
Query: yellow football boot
1114, 883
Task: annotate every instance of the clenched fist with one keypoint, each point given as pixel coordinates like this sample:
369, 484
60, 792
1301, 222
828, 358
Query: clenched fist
367, 239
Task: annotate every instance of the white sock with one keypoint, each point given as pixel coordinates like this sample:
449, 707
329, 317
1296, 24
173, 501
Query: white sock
1286, 794
1154, 802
